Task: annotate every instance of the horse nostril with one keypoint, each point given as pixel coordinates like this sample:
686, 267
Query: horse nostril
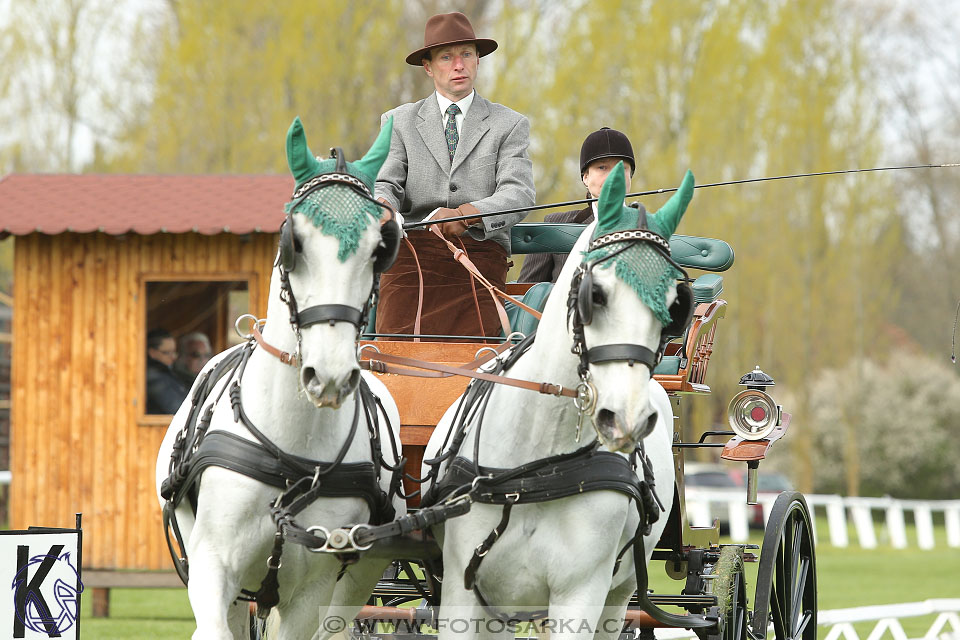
353, 380
308, 374
651, 423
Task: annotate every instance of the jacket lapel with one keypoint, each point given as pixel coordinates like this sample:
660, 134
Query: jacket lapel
431, 131
474, 127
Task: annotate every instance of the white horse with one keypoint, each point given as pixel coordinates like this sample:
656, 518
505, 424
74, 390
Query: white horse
308, 415
561, 555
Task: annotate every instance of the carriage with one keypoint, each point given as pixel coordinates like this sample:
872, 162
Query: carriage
710, 577
712, 596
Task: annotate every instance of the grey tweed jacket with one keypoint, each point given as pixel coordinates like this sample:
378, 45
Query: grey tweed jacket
490, 170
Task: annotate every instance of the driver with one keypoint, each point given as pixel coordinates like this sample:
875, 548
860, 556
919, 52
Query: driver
453, 153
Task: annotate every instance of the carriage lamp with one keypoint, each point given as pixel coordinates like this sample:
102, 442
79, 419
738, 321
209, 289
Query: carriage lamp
752, 415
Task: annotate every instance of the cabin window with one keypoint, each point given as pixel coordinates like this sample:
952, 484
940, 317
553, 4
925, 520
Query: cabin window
186, 322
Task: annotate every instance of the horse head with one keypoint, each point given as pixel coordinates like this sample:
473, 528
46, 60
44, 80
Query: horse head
624, 302
334, 242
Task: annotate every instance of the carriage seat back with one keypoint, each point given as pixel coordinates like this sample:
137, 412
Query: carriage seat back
693, 252
706, 288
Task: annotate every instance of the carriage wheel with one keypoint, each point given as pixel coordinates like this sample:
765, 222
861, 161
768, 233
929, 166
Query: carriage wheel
731, 590
787, 576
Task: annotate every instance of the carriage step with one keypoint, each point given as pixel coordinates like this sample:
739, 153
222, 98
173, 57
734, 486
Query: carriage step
406, 589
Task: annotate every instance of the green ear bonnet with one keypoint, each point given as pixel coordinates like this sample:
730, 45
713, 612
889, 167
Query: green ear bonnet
337, 210
645, 269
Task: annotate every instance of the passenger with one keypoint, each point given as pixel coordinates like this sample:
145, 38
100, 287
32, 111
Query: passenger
453, 153
600, 152
195, 351
165, 393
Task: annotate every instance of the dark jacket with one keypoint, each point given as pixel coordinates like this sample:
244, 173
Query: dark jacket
165, 393
545, 267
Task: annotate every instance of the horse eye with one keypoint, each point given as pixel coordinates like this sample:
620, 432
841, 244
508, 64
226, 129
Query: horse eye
599, 296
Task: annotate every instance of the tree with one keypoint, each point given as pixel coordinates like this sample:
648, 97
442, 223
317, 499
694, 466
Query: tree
65, 86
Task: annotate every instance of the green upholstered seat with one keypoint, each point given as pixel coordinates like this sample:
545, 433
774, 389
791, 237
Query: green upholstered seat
708, 254
535, 298
707, 288
668, 366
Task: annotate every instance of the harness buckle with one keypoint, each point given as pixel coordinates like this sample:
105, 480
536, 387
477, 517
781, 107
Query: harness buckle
236, 325
316, 477
476, 481
458, 499
513, 498
354, 530
326, 539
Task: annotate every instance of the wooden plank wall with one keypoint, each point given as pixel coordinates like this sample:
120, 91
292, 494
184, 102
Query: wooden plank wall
77, 443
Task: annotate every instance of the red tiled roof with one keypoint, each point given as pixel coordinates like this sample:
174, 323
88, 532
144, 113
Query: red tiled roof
144, 204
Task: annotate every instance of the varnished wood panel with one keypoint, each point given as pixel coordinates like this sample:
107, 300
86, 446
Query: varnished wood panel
77, 444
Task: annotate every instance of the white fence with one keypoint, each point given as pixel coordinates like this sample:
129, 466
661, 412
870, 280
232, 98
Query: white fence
946, 626
704, 505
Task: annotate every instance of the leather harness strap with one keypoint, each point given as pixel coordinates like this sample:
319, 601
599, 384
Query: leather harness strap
416, 260
460, 255
283, 356
382, 363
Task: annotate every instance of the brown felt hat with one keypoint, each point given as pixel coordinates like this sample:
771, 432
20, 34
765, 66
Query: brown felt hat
449, 28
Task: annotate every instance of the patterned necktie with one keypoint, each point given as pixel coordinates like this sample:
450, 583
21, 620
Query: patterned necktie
450, 131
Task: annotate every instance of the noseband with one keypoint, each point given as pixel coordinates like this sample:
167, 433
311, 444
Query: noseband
286, 259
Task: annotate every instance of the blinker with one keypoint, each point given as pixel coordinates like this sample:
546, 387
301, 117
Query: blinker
585, 297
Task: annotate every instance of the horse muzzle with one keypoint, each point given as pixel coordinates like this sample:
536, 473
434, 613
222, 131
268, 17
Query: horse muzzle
328, 392
617, 435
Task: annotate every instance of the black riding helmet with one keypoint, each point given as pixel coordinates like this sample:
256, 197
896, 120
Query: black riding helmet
606, 143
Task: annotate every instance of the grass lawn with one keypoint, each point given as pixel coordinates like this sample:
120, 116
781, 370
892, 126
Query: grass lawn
848, 577
144, 614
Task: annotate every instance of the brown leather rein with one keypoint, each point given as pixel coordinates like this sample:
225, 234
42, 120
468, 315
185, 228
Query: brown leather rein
401, 365
388, 363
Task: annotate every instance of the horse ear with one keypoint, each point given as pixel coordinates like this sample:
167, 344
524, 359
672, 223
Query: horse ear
370, 163
610, 203
303, 165
667, 217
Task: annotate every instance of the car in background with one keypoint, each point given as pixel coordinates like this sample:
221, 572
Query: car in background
711, 483
769, 484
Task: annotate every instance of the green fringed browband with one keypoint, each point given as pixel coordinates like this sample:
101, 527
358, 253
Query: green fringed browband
643, 267
337, 210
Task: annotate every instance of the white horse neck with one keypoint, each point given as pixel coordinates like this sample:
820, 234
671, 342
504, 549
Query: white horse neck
522, 425
276, 405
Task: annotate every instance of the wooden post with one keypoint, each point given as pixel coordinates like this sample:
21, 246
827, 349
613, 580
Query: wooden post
101, 602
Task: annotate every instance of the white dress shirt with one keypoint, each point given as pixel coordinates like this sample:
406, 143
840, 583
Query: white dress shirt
464, 105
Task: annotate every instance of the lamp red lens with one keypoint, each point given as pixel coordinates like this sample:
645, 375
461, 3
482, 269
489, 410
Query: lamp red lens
758, 414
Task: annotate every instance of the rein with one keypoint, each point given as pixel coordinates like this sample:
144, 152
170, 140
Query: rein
384, 363
461, 256
283, 356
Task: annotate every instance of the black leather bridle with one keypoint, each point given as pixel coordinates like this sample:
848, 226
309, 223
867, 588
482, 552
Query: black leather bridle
384, 255
580, 313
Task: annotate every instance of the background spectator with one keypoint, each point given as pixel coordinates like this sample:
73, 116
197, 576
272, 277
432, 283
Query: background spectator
194, 352
165, 392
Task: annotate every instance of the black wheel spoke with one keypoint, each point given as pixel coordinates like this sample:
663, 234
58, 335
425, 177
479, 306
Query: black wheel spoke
802, 624
777, 612
786, 579
798, 592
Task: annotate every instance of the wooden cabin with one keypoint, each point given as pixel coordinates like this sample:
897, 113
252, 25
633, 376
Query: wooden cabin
99, 260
